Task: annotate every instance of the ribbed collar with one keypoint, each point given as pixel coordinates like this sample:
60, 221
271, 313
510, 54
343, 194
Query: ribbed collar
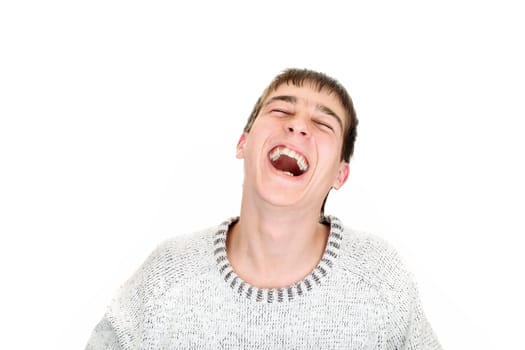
299, 289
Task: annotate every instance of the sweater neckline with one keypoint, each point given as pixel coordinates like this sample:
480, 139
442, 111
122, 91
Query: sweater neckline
313, 280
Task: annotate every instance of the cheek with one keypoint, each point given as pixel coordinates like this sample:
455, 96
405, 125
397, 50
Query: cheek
254, 145
329, 146
331, 158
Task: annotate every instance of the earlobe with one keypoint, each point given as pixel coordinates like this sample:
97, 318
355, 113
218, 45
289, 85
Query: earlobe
240, 146
342, 175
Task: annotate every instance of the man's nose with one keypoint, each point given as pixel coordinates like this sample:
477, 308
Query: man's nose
297, 125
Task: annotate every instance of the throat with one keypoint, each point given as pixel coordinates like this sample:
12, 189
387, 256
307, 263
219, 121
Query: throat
275, 261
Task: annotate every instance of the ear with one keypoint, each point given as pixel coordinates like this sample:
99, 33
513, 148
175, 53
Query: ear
240, 146
342, 175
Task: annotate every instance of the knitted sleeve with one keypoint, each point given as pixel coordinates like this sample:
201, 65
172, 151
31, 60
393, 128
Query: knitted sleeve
121, 326
410, 329
419, 334
103, 337
380, 265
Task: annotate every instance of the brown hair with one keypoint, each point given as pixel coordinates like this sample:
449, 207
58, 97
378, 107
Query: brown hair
320, 81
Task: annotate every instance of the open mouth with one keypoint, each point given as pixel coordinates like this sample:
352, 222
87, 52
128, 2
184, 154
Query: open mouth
288, 161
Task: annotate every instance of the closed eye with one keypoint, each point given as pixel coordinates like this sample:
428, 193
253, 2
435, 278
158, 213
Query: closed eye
323, 124
280, 111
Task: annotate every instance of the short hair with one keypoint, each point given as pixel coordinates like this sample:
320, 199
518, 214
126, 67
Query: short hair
320, 81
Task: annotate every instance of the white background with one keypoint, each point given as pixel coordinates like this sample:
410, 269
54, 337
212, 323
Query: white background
119, 121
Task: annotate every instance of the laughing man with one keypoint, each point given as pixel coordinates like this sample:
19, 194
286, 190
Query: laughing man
282, 275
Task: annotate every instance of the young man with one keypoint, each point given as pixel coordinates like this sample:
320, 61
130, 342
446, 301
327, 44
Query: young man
282, 275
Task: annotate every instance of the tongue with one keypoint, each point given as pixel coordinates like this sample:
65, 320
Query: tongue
288, 164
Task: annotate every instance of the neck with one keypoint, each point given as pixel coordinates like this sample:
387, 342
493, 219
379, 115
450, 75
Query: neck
275, 247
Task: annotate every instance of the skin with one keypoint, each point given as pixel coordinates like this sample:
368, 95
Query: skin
278, 239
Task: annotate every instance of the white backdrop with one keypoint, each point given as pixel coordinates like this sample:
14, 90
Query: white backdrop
119, 121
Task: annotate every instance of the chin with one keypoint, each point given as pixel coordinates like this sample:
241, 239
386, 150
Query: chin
282, 197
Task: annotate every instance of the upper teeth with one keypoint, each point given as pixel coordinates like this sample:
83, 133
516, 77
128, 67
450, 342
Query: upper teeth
301, 162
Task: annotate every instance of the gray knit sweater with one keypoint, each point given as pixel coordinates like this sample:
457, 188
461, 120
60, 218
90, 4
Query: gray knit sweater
187, 296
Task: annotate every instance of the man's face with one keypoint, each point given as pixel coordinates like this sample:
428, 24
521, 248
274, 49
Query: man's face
292, 154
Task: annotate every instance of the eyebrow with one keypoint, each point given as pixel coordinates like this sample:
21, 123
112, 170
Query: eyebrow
319, 107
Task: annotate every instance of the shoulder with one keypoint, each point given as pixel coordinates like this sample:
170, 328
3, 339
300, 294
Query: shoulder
377, 265
173, 261
177, 257
183, 247
376, 262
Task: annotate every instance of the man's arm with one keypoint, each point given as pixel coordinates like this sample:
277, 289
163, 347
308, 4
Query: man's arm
419, 333
103, 337
410, 328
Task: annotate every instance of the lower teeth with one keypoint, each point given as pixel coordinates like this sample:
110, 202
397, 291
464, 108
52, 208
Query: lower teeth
288, 173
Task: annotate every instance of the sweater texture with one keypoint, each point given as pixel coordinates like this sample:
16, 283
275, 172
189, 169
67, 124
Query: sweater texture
187, 296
